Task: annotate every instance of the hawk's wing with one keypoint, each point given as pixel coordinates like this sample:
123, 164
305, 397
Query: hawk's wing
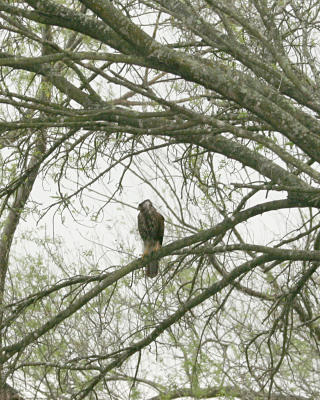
142, 226
160, 228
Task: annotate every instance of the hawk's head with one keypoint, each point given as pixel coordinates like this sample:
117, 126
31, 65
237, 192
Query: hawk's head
145, 205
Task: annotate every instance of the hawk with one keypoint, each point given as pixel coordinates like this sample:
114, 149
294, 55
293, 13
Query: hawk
151, 229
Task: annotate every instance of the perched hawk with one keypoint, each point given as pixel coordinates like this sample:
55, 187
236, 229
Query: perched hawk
151, 229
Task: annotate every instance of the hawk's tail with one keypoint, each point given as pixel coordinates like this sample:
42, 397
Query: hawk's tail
152, 269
